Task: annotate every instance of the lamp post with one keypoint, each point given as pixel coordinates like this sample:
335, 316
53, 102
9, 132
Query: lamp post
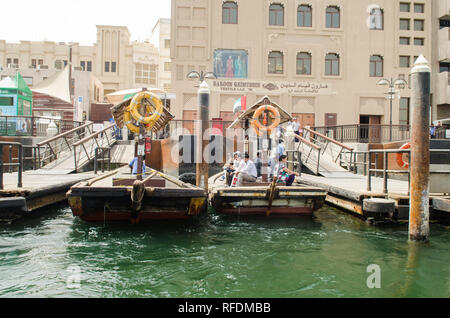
391, 83
202, 116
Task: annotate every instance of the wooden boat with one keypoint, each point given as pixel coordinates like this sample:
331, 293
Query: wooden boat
264, 199
121, 196
112, 197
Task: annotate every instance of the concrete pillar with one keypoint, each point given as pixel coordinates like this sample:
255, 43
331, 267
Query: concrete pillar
419, 228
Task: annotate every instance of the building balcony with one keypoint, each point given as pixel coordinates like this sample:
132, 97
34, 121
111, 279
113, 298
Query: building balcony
444, 44
443, 88
444, 9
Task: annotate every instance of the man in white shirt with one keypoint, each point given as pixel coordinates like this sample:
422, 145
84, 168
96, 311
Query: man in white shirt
247, 171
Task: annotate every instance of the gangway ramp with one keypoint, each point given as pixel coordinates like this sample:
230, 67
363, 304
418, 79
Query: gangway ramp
73, 150
324, 156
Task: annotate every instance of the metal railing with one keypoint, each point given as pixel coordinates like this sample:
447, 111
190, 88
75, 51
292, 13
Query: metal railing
19, 164
55, 146
384, 170
308, 148
365, 133
335, 149
96, 160
86, 152
33, 126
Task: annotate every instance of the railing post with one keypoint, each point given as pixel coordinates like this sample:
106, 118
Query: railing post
10, 157
385, 175
369, 181
365, 164
39, 156
75, 158
19, 184
1, 167
95, 161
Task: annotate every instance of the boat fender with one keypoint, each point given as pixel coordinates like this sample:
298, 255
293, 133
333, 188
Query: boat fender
400, 161
137, 194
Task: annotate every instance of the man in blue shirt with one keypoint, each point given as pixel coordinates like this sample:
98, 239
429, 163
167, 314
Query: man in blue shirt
134, 165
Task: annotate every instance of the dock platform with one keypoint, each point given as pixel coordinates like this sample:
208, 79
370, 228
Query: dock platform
348, 191
39, 189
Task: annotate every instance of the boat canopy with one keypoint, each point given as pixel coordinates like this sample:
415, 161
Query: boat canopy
119, 110
248, 114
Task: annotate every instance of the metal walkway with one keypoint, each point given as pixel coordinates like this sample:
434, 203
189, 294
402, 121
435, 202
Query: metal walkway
73, 150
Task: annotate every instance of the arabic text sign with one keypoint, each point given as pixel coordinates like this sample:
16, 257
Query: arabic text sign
265, 87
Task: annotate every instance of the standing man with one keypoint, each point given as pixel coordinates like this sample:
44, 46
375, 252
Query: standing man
247, 171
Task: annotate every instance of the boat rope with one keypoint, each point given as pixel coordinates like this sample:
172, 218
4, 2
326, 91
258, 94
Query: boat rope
137, 194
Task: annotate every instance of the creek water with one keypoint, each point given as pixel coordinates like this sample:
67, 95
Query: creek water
54, 254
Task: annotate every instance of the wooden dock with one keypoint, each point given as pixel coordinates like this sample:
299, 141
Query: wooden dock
39, 189
348, 191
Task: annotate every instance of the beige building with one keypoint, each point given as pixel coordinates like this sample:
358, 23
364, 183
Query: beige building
160, 38
116, 61
319, 59
441, 59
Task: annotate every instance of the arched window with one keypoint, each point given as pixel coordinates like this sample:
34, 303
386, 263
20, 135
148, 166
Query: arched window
333, 17
304, 16
303, 63
229, 12
376, 66
276, 14
276, 63
332, 64
376, 19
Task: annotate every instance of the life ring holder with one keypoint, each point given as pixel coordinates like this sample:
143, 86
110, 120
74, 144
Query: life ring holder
136, 104
400, 161
274, 114
128, 120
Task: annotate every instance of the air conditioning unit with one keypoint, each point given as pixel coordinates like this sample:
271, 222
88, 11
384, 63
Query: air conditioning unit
43, 67
78, 68
13, 66
32, 66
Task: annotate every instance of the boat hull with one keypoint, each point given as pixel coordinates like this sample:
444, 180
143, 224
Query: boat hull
288, 201
113, 204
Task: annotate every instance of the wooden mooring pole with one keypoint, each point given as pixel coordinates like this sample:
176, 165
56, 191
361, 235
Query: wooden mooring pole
419, 228
203, 117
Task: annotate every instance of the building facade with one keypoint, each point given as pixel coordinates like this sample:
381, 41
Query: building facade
320, 60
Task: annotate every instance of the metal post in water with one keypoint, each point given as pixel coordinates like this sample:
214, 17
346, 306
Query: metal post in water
419, 228
203, 116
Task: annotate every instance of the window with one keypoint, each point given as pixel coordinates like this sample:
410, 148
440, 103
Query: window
304, 16
166, 87
65, 63
8, 61
376, 19
404, 24
276, 14
28, 80
180, 72
58, 64
83, 65
404, 41
404, 7
419, 41
167, 67
107, 67
276, 63
332, 64
230, 12
404, 111
333, 17
145, 74
89, 66
40, 62
419, 8
376, 66
419, 25
303, 63
33, 62
113, 67
404, 61
167, 44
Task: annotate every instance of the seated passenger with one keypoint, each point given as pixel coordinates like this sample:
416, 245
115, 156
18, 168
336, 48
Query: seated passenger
247, 171
134, 165
284, 174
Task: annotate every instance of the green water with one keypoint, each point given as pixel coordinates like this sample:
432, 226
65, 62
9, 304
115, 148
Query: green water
324, 256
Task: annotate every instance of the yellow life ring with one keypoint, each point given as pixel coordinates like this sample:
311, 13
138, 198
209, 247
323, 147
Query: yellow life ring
274, 114
129, 122
136, 104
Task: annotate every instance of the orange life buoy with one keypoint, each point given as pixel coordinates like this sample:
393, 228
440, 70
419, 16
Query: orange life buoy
274, 114
400, 161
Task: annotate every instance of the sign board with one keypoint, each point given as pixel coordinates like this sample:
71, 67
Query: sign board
141, 150
80, 99
447, 134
